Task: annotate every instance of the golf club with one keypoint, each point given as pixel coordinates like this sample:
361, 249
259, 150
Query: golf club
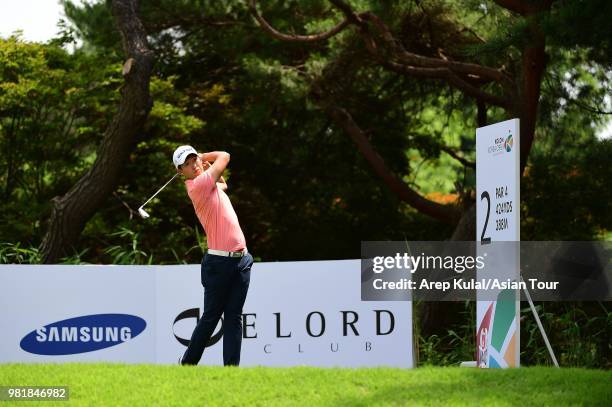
141, 211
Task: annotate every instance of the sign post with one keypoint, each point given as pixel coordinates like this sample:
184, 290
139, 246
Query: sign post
498, 220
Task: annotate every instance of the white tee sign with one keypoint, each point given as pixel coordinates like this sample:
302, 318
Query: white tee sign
497, 220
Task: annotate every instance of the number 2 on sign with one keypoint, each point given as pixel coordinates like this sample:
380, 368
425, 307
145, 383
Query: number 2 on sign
483, 239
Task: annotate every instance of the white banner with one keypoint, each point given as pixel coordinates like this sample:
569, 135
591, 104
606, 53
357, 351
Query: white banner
296, 313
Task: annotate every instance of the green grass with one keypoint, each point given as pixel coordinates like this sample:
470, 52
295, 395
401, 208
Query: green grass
146, 385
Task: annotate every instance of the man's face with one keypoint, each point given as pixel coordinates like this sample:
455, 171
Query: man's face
192, 167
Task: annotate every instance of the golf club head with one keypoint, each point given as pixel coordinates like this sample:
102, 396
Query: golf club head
143, 213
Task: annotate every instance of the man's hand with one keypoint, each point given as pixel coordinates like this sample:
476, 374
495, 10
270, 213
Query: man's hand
220, 158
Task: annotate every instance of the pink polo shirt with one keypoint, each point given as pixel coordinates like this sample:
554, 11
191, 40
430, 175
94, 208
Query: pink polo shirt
216, 214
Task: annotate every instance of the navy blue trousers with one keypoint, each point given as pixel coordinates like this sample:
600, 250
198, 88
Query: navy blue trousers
226, 283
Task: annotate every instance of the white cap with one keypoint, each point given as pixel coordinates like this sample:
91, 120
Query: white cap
181, 154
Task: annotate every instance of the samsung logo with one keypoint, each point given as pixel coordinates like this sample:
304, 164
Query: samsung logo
83, 334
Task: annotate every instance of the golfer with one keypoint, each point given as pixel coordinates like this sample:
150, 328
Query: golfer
226, 267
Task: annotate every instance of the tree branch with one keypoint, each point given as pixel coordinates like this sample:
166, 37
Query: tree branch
344, 120
451, 78
292, 37
408, 63
428, 62
402, 61
346, 9
588, 108
462, 160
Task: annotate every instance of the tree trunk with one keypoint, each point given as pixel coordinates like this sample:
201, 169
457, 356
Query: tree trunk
71, 212
533, 66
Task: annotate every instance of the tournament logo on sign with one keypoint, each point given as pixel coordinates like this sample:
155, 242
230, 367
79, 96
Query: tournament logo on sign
315, 327
83, 334
195, 314
501, 144
508, 143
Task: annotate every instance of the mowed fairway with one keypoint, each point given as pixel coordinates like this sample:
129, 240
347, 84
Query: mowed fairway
117, 384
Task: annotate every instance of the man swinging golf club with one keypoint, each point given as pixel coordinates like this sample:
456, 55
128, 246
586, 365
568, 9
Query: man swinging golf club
226, 267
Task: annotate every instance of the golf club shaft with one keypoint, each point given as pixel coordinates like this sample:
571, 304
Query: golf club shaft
159, 190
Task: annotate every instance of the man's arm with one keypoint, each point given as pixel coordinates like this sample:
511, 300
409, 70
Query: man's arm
220, 158
221, 183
